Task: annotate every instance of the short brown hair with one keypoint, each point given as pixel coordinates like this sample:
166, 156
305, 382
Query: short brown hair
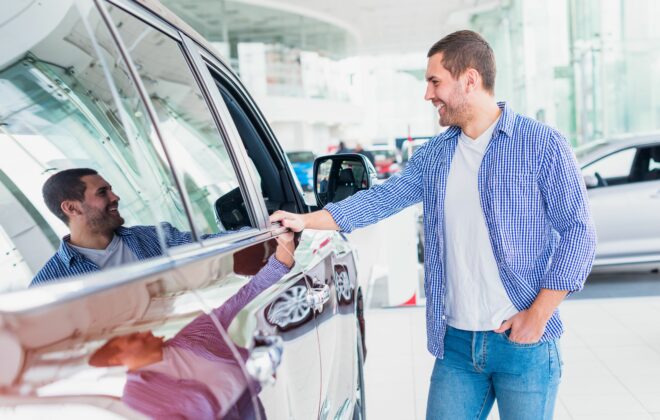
467, 49
65, 185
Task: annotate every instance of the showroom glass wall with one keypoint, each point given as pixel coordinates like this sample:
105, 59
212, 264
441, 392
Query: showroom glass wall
584, 66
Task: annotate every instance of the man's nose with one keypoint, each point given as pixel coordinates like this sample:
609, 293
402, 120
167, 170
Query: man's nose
114, 197
429, 95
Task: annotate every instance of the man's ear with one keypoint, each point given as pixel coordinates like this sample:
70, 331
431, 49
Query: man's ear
71, 208
472, 79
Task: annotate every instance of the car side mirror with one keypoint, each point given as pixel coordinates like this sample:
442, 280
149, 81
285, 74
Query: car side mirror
337, 177
230, 211
590, 181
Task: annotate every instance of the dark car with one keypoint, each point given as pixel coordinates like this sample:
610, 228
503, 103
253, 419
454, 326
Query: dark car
303, 166
211, 323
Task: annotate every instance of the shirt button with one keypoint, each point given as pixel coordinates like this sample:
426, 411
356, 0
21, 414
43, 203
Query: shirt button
444, 317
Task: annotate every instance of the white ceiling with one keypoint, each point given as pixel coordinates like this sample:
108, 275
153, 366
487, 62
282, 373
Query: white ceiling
335, 27
396, 26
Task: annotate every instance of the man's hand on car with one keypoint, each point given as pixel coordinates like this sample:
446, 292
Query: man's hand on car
292, 221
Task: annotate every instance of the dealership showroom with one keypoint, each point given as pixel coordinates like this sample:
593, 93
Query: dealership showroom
349, 209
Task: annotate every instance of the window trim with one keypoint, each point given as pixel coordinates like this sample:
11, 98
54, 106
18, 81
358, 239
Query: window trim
145, 16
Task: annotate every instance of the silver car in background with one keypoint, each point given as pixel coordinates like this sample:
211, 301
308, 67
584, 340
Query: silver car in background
622, 176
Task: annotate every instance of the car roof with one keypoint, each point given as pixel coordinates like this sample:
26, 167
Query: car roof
598, 148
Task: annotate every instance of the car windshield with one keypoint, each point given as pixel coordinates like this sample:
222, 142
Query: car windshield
300, 157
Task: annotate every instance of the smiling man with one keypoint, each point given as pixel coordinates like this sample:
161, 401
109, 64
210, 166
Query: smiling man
85, 202
508, 235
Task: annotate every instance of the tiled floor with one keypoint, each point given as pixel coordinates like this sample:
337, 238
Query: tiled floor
611, 352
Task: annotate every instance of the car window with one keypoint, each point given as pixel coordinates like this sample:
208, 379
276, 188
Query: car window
614, 169
653, 167
271, 173
196, 149
66, 101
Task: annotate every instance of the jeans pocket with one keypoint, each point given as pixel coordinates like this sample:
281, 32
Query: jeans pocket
513, 343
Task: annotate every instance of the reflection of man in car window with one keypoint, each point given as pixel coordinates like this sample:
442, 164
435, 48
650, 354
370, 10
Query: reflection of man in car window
85, 202
193, 375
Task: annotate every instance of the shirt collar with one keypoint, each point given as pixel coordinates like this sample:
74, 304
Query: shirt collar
123, 231
507, 119
67, 253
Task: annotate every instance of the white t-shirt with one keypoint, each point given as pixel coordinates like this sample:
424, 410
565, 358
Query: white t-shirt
116, 253
476, 299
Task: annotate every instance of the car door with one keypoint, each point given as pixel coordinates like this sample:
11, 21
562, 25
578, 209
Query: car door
625, 205
133, 340
324, 259
289, 313
280, 352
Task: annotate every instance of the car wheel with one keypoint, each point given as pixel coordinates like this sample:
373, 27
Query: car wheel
290, 309
343, 286
359, 409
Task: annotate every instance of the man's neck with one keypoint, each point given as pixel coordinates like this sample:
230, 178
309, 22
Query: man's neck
91, 240
484, 115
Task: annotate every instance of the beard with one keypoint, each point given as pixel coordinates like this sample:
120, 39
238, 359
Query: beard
102, 220
454, 113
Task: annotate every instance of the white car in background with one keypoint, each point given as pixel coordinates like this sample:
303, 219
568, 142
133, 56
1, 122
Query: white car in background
622, 176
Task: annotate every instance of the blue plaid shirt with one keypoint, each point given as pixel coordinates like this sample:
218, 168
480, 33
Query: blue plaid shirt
142, 240
534, 202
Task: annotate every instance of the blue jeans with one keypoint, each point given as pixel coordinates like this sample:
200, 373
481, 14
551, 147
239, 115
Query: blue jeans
479, 367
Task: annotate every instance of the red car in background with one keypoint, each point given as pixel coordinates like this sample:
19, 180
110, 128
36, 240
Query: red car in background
385, 160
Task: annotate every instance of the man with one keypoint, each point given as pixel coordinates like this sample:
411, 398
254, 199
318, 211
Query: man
508, 235
342, 148
85, 202
359, 149
193, 375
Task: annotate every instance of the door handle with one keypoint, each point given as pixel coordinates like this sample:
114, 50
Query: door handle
264, 358
318, 296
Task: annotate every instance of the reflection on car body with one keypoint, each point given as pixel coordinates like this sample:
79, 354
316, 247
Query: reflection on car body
129, 90
195, 374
